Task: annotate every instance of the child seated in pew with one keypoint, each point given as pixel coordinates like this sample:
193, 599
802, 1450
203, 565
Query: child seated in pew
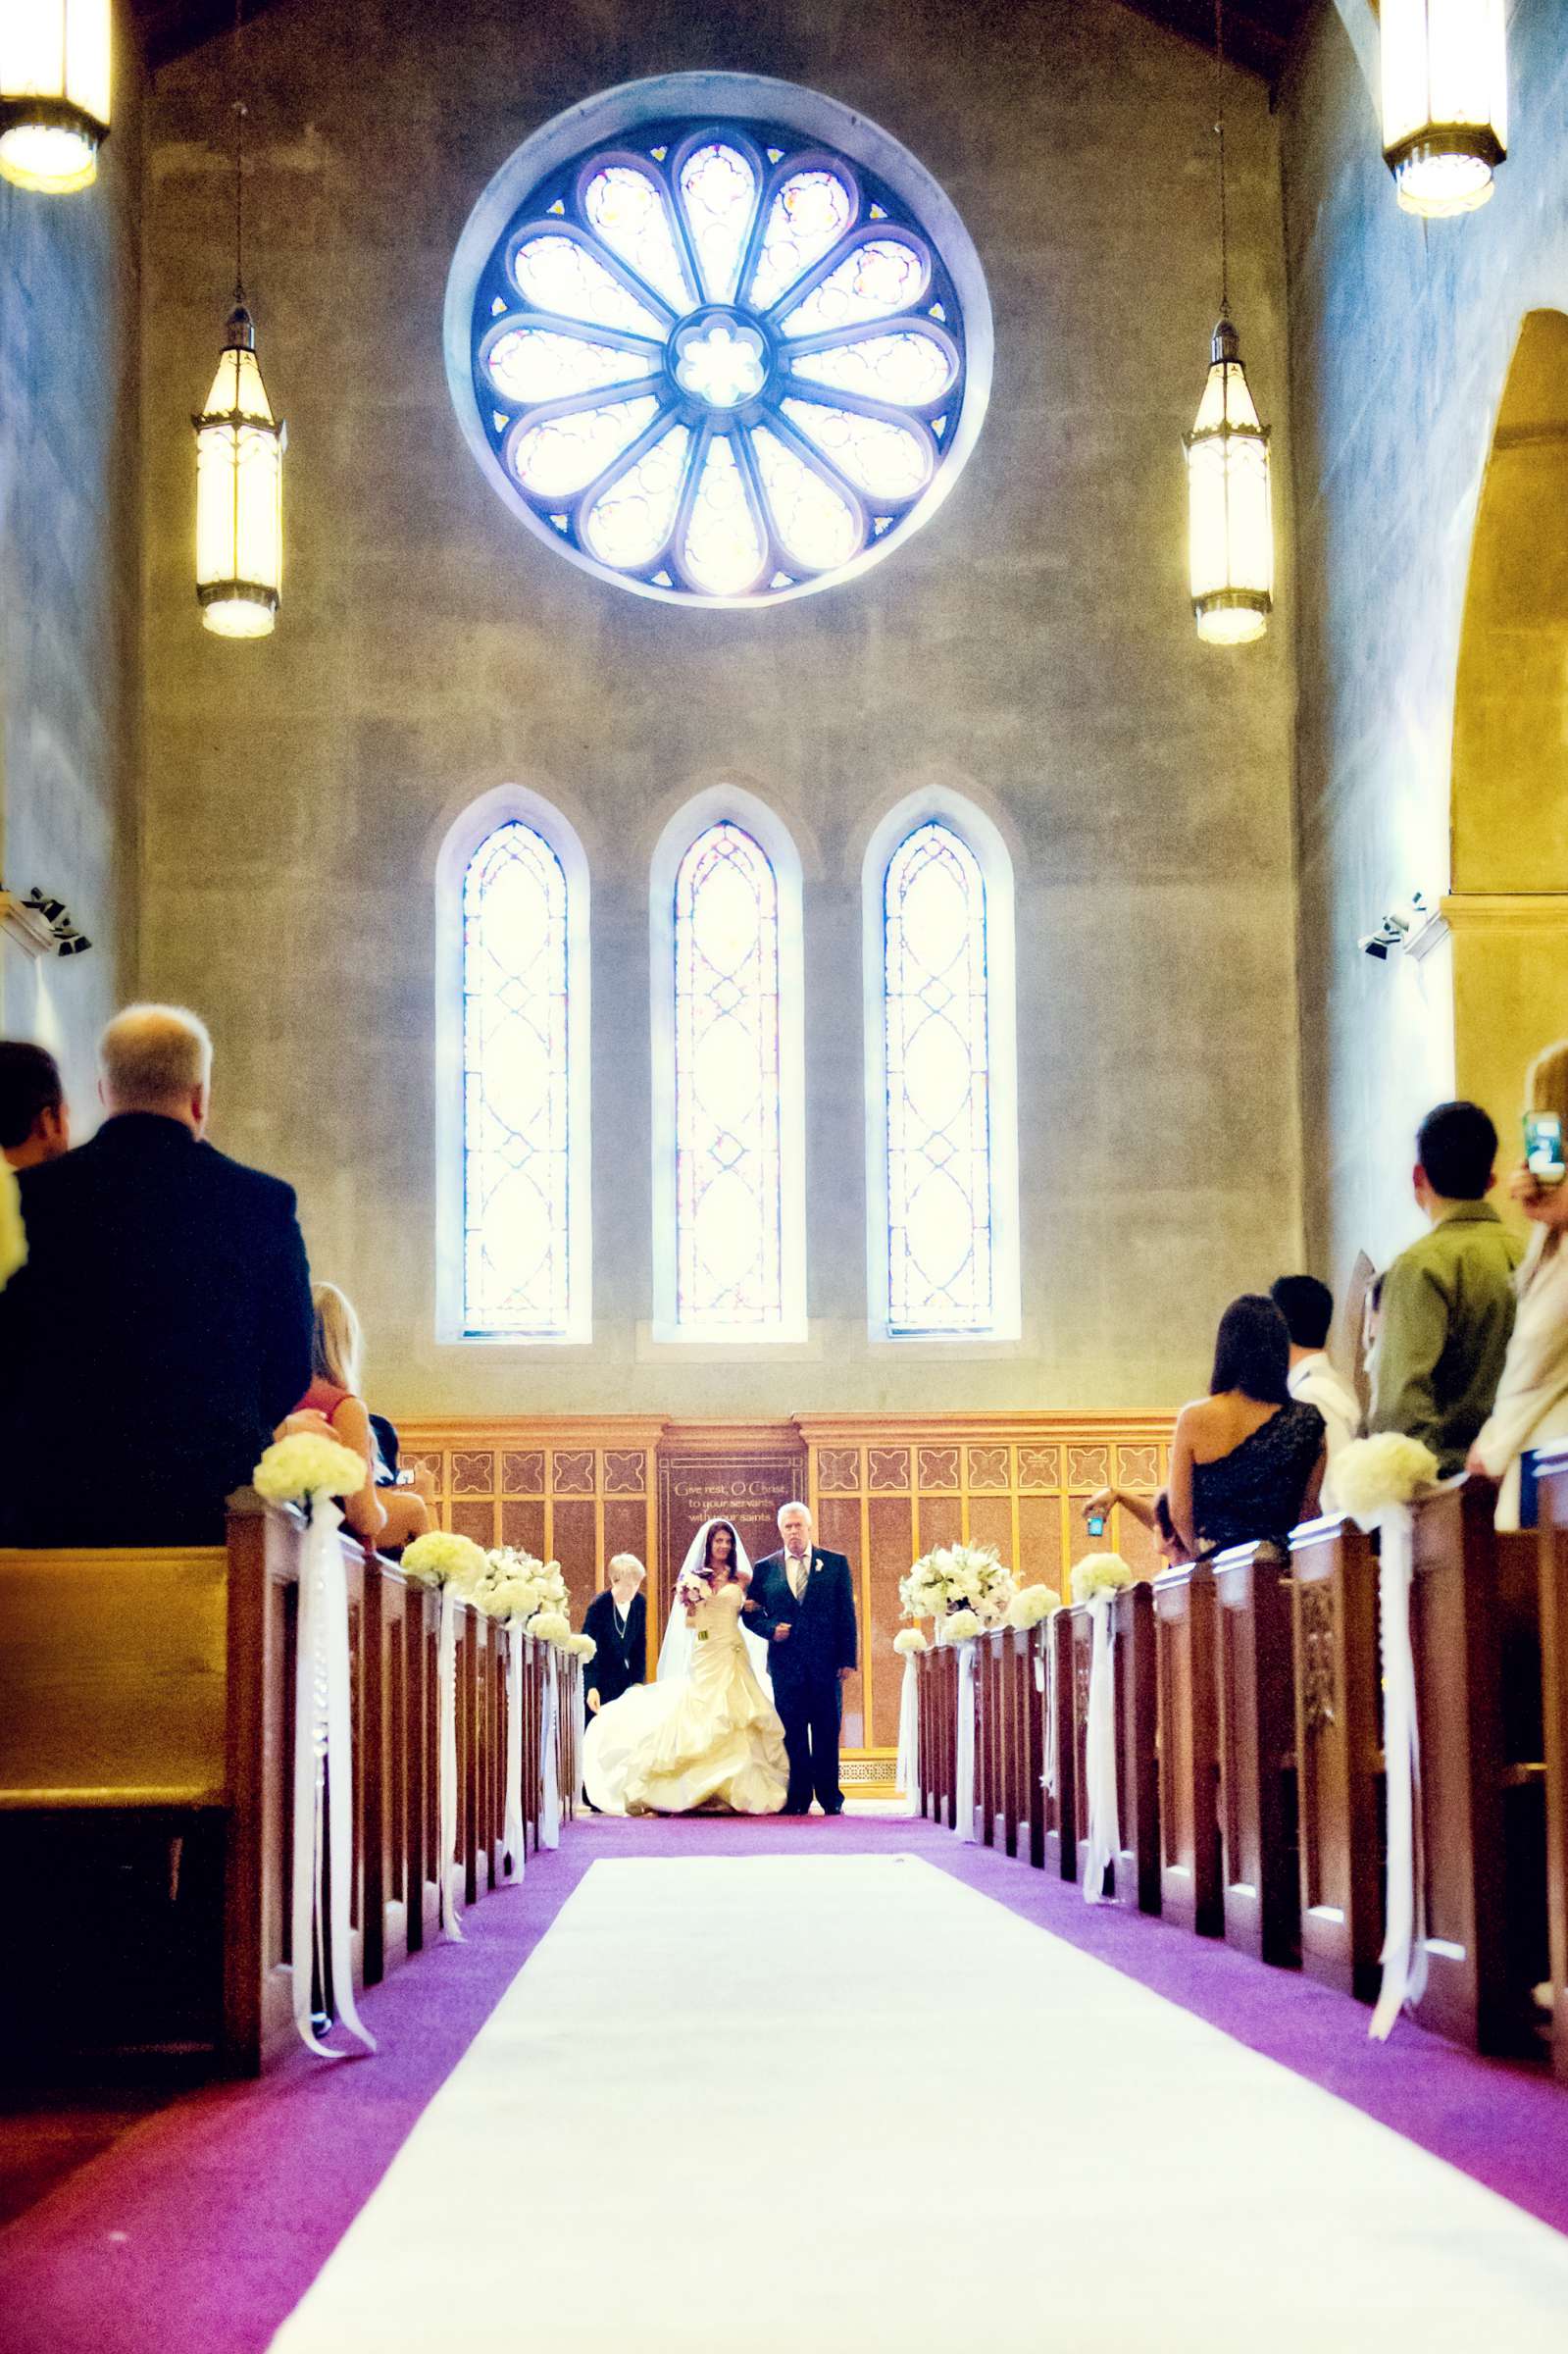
388, 1518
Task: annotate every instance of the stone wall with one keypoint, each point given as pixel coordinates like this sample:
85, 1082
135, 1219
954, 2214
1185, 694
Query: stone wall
70, 580
1401, 342
1033, 645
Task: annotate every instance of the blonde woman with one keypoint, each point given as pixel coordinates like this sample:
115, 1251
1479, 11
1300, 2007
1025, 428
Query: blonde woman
386, 1518
1532, 1403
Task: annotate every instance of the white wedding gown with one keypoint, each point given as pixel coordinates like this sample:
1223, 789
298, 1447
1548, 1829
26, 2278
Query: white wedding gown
708, 1739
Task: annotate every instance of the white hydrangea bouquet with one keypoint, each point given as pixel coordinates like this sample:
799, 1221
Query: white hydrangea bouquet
1100, 1573
442, 1558
306, 1464
1030, 1603
1371, 1474
908, 1641
959, 1580
519, 1585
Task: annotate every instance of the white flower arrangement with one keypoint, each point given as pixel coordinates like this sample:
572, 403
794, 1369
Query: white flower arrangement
519, 1585
962, 1628
958, 1577
909, 1639
1369, 1474
1100, 1573
442, 1558
13, 1233
553, 1627
585, 1647
1030, 1603
305, 1464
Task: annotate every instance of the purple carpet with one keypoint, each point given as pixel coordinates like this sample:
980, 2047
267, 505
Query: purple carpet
201, 2228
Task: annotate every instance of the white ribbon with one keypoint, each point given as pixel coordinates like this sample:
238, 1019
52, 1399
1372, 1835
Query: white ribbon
906, 1773
1104, 1840
324, 1783
550, 1764
446, 1770
1404, 1944
1047, 1666
964, 1768
514, 1834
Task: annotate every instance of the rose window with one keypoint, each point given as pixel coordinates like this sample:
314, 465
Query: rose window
720, 361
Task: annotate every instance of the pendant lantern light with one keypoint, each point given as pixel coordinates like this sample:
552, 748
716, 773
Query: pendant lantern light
1230, 512
1445, 74
54, 92
240, 461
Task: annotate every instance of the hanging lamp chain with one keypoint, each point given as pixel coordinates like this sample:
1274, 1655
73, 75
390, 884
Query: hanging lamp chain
1219, 136
239, 157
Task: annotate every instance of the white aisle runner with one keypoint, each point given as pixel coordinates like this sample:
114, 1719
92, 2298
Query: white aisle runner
819, 2104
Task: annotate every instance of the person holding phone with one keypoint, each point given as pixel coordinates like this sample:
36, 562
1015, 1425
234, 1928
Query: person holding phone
1532, 1401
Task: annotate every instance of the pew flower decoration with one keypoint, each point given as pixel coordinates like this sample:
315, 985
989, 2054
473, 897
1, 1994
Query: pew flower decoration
961, 1626
1030, 1603
553, 1627
1369, 1474
519, 1585
585, 1647
13, 1234
306, 1464
909, 1640
958, 1578
1100, 1573
442, 1558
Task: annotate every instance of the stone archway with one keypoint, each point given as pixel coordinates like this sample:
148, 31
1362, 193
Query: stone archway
1509, 815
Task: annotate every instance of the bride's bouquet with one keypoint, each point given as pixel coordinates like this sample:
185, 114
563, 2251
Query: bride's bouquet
692, 1588
958, 1577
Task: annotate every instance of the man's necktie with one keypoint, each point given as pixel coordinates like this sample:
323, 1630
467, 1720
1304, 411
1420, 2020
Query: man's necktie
797, 1574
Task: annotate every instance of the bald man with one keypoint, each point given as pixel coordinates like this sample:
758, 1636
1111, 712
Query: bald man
161, 1324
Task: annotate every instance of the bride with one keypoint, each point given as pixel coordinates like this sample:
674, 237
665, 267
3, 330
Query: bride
706, 1735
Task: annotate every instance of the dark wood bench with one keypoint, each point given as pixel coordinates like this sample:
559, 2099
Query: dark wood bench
1189, 1748
1338, 1752
1258, 1800
1553, 1478
1059, 1800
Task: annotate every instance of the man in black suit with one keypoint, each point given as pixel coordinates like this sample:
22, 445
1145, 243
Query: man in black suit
161, 1324
802, 1601
618, 1621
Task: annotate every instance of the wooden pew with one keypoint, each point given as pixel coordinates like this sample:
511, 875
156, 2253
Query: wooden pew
1033, 1703
1060, 1803
147, 1740
1135, 1869
1339, 1751
1259, 1893
1553, 1478
1476, 1630
1189, 1748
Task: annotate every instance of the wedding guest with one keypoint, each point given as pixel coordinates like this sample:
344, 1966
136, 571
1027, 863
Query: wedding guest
1247, 1461
618, 1621
1153, 1512
1307, 1307
34, 1117
1531, 1407
386, 1516
162, 1324
1448, 1301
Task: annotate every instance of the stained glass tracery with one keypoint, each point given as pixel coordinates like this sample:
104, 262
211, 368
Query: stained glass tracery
937, 1060
743, 344
728, 1114
515, 1088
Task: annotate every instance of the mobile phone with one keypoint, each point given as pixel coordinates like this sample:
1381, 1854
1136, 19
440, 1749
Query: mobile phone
1096, 1525
1543, 1148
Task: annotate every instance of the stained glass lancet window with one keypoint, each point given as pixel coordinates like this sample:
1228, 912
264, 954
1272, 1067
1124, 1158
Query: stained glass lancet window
718, 360
937, 1060
730, 1211
517, 1089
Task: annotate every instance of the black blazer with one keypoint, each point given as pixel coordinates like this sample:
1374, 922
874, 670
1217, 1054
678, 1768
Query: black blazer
619, 1661
158, 1330
822, 1623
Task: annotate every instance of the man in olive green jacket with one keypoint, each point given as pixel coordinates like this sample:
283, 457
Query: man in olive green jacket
1448, 1301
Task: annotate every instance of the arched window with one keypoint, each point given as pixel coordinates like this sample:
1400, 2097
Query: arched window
513, 1043
944, 1255
729, 1257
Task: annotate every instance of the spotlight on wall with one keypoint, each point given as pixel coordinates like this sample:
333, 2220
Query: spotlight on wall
1398, 928
64, 938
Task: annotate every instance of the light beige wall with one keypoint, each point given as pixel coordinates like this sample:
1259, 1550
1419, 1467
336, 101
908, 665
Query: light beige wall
1401, 342
1034, 641
70, 579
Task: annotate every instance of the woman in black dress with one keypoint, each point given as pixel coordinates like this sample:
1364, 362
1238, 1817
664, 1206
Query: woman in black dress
1247, 1461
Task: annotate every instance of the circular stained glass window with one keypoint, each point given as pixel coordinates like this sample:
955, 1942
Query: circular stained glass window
717, 339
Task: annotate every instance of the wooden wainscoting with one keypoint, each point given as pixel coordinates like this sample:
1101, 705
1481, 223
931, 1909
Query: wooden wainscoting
885, 1488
